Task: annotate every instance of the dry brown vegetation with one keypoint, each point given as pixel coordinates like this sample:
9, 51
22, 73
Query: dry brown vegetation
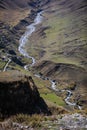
13, 17
11, 12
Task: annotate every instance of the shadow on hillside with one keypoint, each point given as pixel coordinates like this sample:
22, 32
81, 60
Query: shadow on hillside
19, 97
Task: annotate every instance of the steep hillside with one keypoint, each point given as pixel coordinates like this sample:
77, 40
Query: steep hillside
12, 11
14, 18
19, 94
63, 35
13, 4
61, 41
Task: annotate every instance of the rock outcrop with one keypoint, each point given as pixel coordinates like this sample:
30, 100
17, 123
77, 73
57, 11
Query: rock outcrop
19, 94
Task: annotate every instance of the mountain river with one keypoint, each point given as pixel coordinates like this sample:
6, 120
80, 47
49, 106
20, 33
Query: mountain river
22, 43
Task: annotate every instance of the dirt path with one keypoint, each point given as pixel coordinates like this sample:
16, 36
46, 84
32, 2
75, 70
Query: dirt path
9, 60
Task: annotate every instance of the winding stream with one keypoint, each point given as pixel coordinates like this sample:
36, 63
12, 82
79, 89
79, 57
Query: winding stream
22, 43
53, 87
24, 39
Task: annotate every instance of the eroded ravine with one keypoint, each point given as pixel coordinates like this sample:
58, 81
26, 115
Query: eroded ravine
22, 43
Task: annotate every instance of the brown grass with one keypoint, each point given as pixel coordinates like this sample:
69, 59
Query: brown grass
12, 17
11, 76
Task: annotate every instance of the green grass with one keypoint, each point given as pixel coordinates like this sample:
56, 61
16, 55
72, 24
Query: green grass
41, 84
52, 97
46, 93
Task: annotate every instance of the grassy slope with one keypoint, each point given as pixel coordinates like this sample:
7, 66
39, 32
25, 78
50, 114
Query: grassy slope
62, 38
64, 41
47, 94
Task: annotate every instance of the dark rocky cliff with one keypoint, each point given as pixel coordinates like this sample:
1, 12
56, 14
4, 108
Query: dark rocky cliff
19, 95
